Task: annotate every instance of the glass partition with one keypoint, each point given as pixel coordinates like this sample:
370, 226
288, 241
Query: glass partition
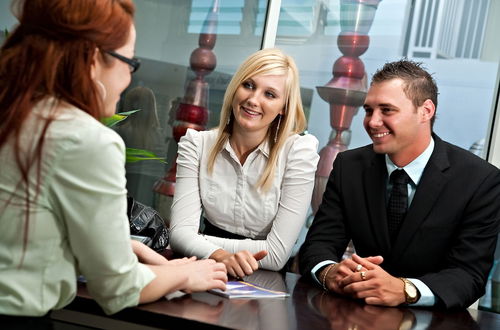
189, 49
464, 62
187, 74
456, 40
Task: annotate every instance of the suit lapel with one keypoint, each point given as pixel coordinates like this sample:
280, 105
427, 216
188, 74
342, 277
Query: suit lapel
374, 179
428, 190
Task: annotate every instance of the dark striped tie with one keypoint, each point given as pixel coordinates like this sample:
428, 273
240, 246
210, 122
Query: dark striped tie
398, 202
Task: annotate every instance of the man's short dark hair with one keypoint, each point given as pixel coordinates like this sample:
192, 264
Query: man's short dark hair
418, 83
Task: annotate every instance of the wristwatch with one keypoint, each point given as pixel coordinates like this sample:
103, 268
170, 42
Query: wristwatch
412, 295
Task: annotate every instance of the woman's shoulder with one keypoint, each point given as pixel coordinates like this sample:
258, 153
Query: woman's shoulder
76, 129
199, 138
302, 151
302, 141
192, 134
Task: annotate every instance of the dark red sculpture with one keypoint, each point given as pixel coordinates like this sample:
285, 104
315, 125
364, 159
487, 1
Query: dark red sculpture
346, 91
192, 112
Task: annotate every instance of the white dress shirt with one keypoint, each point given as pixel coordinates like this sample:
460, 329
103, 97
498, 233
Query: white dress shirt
229, 198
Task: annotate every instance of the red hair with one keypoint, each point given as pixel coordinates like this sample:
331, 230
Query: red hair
50, 53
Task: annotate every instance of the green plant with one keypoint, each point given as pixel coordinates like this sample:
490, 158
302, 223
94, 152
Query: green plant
116, 118
136, 155
132, 155
3, 35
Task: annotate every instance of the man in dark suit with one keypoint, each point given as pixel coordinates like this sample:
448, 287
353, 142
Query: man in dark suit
426, 237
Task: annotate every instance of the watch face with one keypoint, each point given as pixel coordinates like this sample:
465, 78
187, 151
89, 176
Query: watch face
411, 290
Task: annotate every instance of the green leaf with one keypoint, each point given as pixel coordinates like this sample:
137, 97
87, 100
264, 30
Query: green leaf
136, 155
131, 155
128, 113
116, 118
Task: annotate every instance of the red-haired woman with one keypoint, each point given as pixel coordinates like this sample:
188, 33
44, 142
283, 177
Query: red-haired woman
62, 182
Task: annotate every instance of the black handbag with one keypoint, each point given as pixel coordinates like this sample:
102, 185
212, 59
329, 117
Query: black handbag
147, 225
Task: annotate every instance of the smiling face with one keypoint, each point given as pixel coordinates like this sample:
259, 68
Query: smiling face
115, 74
257, 102
396, 127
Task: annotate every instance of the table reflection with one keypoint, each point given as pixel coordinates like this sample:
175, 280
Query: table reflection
318, 309
246, 313
308, 308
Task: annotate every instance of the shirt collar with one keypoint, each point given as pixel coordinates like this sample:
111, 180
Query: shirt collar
263, 147
416, 167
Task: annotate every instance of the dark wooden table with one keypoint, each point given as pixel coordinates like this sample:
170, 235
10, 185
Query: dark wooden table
308, 307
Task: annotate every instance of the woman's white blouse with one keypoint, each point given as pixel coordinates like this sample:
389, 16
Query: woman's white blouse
229, 198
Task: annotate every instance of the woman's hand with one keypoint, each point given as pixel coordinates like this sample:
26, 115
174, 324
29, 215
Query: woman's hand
239, 264
182, 261
204, 275
146, 255
185, 274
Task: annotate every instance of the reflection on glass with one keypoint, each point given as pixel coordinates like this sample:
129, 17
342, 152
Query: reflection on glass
142, 130
230, 16
167, 33
456, 40
346, 91
192, 111
458, 37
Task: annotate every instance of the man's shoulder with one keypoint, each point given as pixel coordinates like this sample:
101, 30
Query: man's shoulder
357, 160
461, 164
459, 156
360, 153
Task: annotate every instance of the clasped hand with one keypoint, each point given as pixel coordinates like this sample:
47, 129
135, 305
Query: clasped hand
363, 278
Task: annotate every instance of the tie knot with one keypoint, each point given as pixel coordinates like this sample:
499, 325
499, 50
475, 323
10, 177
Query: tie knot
399, 177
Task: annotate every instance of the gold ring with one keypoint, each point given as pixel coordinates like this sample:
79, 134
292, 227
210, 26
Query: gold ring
363, 276
358, 267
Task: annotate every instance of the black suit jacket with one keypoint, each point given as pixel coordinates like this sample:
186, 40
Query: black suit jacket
448, 237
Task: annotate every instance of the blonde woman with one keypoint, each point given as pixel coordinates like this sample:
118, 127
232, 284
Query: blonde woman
252, 177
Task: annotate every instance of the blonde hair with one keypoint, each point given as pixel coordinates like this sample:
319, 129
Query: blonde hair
270, 61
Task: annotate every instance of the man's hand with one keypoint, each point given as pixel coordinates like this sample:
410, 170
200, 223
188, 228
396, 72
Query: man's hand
373, 284
343, 269
240, 263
